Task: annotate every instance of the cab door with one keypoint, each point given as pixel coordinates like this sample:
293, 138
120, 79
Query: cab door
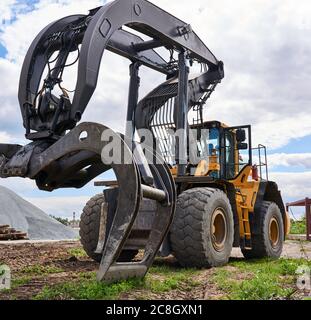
236, 150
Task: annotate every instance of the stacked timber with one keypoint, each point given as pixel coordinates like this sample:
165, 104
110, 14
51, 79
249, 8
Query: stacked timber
8, 233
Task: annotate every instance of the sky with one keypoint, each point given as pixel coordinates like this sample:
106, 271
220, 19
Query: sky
266, 50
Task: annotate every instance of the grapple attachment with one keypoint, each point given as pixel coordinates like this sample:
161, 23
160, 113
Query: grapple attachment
86, 151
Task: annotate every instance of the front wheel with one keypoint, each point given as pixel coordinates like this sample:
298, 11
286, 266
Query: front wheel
270, 238
202, 231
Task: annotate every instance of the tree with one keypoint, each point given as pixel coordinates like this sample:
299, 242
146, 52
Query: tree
64, 221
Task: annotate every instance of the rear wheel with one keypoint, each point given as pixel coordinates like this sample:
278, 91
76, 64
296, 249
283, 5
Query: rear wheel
202, 231
89, 230
269, 240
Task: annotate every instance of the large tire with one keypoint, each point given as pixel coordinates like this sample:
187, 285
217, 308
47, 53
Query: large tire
192, 239
268, 243
89, 230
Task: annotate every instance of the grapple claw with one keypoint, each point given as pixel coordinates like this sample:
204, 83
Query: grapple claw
102, 228
163, 192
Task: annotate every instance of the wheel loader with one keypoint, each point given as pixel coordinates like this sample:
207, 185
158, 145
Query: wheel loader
183, 185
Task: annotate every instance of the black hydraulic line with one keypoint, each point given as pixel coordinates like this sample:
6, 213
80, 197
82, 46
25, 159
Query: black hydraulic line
59, 66
181, 112
147, 45
132, 100
130, 123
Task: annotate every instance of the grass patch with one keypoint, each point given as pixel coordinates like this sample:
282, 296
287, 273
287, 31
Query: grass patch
178, 280
88, 289
241, 280
26, 275
259, 279
160, 279
77, 252
19, 282
167, 270
173, 278
41, 270
298, 226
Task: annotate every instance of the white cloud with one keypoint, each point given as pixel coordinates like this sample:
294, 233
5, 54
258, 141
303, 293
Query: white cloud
17, 41
293, 185
262, 44
10, 117
18, 185
280, 130
5, 137
60, 206
6, 10
302, 160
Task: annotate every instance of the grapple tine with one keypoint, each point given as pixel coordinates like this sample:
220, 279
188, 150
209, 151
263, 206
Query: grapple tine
116, 239
165, 209
126, 212
102, 228
110, 270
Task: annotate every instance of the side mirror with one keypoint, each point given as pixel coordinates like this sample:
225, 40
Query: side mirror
240, 135
242, 146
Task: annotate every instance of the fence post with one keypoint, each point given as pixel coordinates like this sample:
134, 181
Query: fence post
308, 218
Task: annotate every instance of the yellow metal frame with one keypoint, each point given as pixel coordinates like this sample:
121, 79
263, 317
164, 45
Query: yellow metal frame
246, 195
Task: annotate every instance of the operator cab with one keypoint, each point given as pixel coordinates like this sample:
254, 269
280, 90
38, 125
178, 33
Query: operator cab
222, 152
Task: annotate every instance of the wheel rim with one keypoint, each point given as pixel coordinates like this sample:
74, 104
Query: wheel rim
219, 229
274, 232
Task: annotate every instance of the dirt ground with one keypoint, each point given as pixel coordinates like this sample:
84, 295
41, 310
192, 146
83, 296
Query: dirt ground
24, 256
19, 257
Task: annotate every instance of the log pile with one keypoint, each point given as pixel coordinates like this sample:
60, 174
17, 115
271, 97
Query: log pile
8, 233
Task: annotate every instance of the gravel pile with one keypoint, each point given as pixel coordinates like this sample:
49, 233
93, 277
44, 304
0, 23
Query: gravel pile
22, 215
